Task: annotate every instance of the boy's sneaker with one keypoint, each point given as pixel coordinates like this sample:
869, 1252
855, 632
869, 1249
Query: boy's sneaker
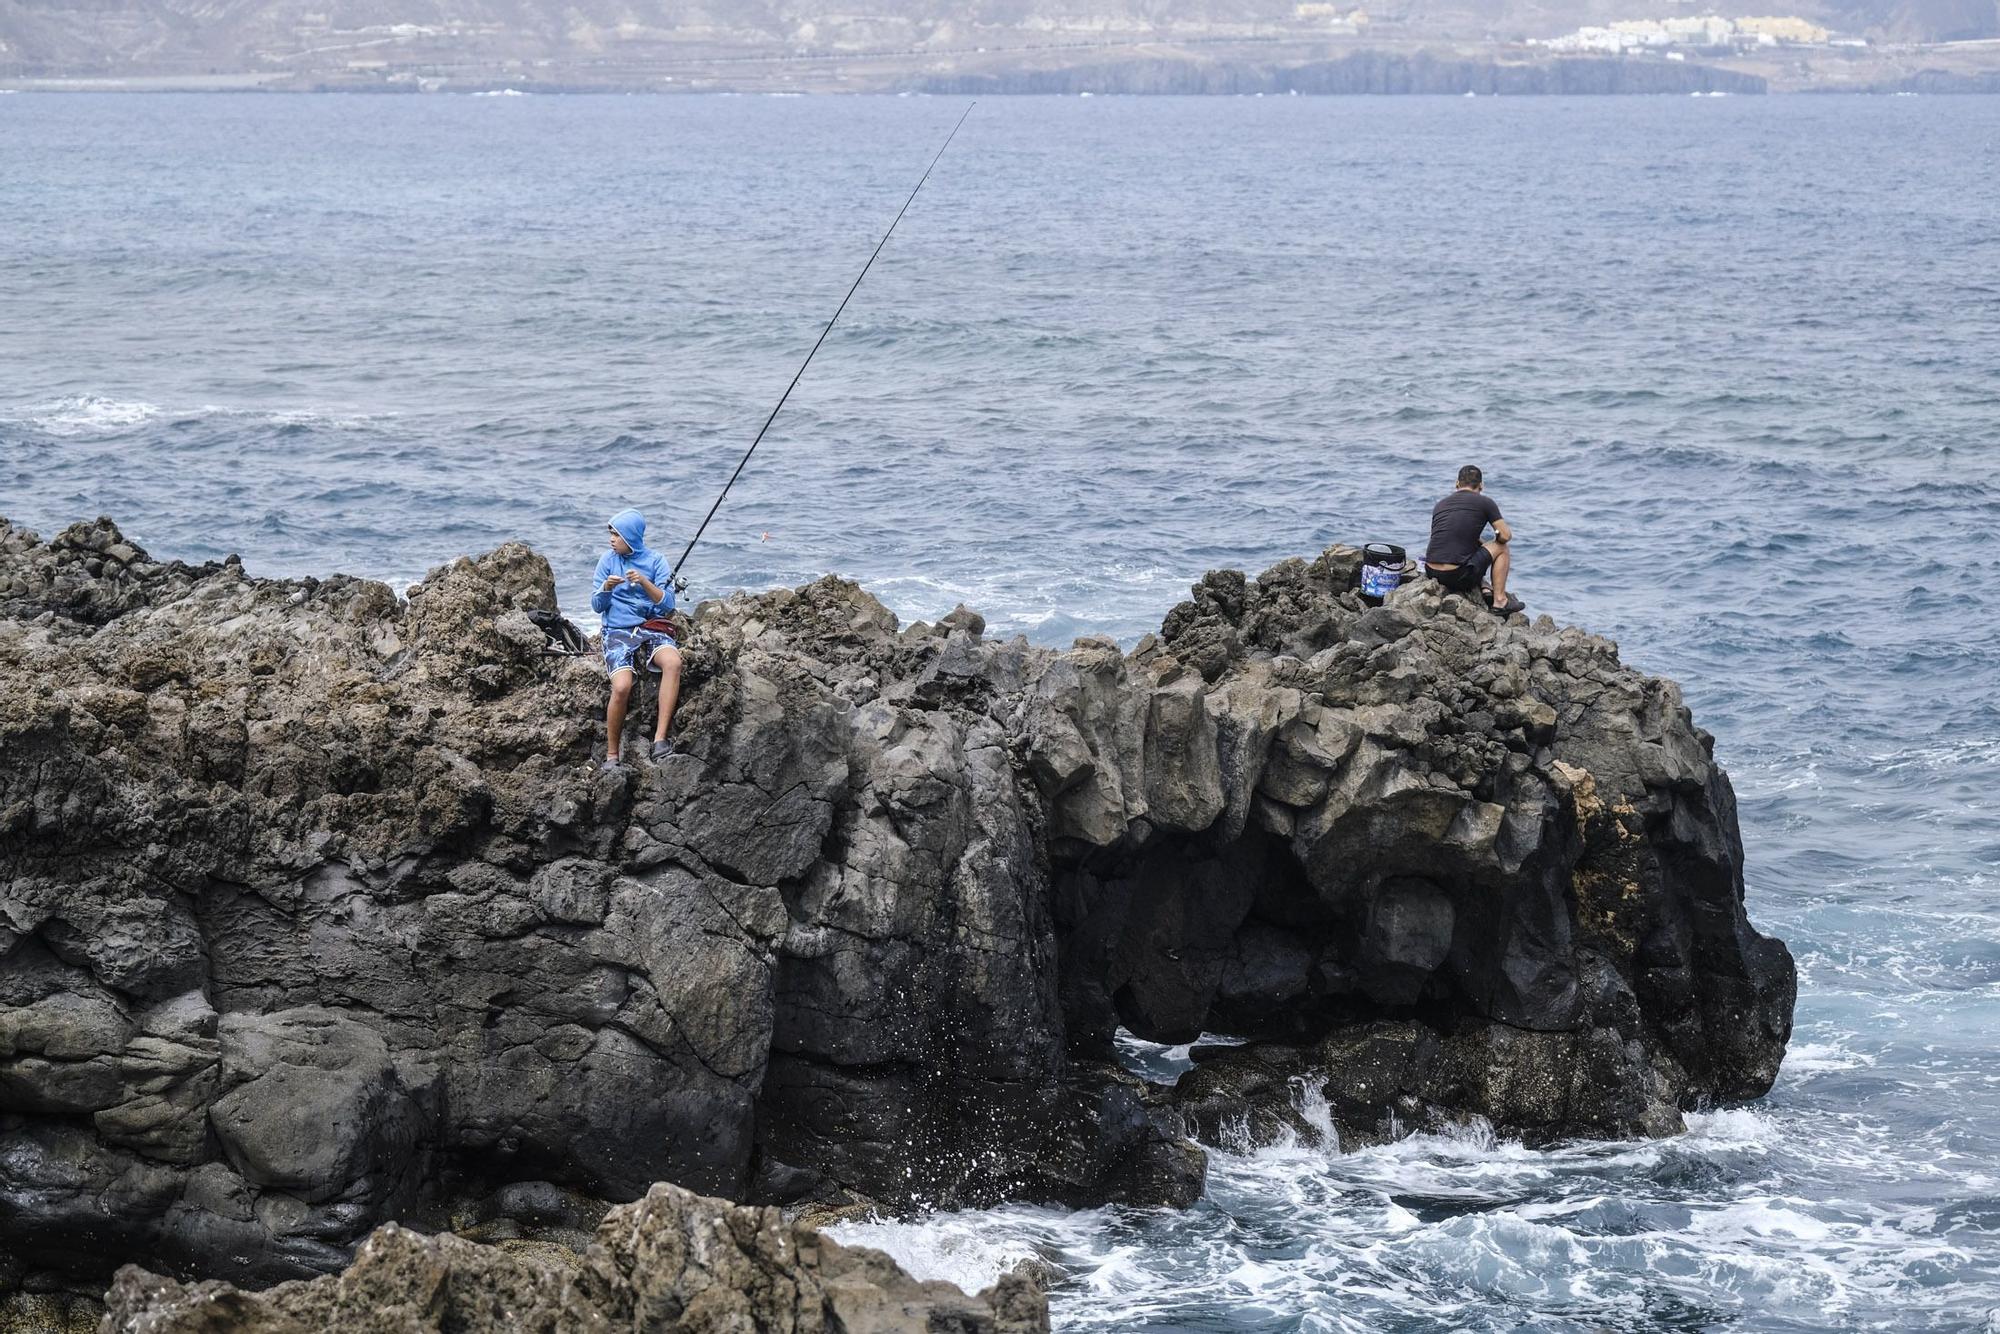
662, 749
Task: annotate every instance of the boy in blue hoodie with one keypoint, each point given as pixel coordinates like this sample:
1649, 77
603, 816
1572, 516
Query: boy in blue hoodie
634, 586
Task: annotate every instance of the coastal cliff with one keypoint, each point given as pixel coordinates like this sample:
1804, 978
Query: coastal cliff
315, 913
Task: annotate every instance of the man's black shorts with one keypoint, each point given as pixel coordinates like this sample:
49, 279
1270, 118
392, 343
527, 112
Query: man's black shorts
1465, 578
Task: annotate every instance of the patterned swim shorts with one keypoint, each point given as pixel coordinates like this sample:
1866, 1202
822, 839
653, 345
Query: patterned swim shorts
630, 649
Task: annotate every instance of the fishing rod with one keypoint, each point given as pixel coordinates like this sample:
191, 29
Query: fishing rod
681, 584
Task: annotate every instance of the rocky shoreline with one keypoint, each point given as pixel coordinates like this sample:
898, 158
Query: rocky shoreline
670, 1261
316, 915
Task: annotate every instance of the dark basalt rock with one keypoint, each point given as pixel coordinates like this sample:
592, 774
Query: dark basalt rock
314, 914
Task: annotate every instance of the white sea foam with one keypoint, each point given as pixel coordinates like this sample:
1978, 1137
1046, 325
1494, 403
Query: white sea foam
503, 92
85, 415
1812, 1058
331, 421
90, 414
1950, 756
1732, 1127
962, 1248
1309, 1096
1456, 1231
317, 418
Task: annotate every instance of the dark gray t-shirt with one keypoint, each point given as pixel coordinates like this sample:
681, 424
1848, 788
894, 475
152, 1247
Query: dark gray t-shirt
1456, 525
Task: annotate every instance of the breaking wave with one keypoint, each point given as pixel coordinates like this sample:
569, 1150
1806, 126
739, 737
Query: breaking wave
1466, 1231
88, 414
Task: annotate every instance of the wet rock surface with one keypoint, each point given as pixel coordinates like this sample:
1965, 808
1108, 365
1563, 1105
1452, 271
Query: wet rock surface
668, 1263
314, 912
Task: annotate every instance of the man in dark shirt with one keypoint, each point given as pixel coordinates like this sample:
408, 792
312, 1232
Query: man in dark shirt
1457, 558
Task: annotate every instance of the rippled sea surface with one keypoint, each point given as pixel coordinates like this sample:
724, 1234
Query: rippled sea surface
1732, 367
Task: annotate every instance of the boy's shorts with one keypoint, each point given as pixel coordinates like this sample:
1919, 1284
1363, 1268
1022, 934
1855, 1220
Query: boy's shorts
631, 649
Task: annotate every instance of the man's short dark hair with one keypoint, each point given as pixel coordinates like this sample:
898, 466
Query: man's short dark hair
1470, 476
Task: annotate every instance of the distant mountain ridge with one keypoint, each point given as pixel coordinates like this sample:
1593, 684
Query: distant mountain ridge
626, 40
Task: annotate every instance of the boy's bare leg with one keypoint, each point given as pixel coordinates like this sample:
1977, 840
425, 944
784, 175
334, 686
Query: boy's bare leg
614, 714
668, 660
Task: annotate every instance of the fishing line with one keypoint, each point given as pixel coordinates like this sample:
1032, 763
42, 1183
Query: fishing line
679, 583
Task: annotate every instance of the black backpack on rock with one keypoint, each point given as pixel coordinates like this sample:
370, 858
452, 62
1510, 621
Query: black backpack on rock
564, 638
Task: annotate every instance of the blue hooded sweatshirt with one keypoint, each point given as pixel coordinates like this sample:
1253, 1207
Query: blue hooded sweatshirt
627, 605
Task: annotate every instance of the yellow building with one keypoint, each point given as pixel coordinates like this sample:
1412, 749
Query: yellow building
1785, 29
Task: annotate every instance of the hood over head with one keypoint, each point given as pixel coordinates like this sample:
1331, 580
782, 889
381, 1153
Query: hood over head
631, 525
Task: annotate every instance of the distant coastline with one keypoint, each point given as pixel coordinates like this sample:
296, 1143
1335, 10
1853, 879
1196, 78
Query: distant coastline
1113, 70
1364, 73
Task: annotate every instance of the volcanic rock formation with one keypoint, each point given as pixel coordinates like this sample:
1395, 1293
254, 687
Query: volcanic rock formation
314, 912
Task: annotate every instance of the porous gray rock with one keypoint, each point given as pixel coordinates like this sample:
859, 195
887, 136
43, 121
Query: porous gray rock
671, 1262
314, 912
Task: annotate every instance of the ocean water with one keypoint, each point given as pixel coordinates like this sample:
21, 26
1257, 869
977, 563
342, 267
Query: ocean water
1732, 367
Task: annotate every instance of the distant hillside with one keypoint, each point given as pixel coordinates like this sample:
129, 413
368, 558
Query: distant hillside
594, 42
1361, 72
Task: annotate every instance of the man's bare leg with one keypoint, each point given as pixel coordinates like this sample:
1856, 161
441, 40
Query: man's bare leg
614, 714
1501, 564
668, 660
